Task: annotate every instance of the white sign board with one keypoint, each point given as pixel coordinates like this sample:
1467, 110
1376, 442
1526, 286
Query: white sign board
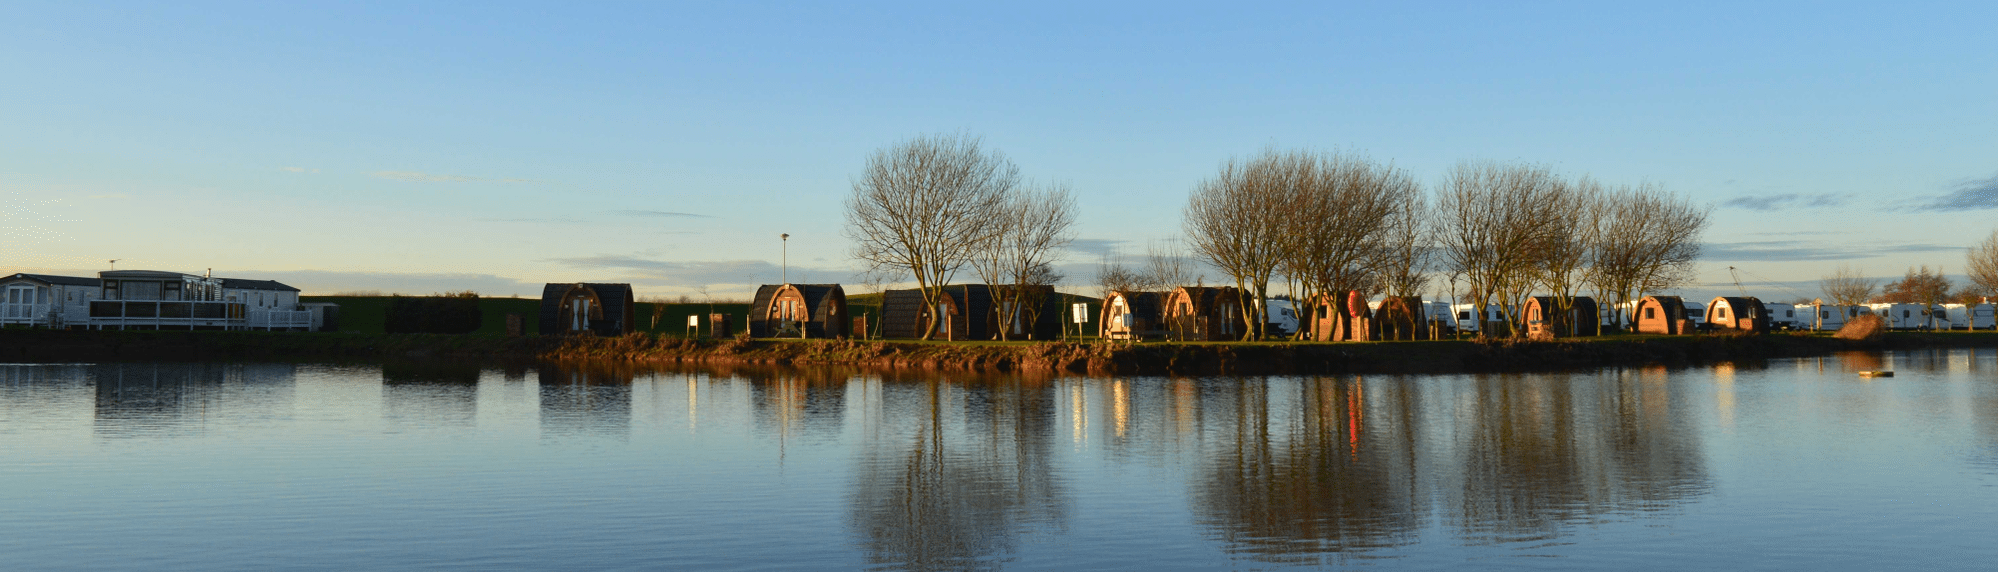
693, 321
1081, 313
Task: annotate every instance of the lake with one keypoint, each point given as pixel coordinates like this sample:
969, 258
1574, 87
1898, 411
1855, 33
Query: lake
1788, 464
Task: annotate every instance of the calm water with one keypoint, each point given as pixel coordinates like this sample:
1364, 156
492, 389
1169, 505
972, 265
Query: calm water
1794, 464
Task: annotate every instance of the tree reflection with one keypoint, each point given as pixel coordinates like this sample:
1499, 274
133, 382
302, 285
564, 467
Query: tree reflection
1547, 451
952, 475
810, 401
1329, 472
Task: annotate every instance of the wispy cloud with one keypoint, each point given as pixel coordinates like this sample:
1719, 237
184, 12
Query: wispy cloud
417, 177
1787, 201
1797, 250
1096, 246
658, 214
297, 170
1970, 195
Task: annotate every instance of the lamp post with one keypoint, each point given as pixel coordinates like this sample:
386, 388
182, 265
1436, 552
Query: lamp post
114, 263
786, 272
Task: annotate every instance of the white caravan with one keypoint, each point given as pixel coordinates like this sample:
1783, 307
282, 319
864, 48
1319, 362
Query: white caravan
1284, 316
1788, 316
1832, 316
1906, 316
1467, 317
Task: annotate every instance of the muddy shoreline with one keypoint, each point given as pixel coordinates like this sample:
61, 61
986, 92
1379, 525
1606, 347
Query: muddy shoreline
1448, 356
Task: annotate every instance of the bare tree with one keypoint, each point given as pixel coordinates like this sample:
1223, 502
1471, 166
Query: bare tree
1112, 276
1564, 263
1490, 230
1166, 267
1646, 240
1235, 219
1848, 285
1982, 266
1030, 231
926, 206
1408, 246
1355, 225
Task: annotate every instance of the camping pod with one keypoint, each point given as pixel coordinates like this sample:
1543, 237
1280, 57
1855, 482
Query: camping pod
958, 314
1663, 315
1342, 317
799, 311
1737, 314
600, 309
1547, 319
1133, 316
1200, 313
1402, 318
1030, 312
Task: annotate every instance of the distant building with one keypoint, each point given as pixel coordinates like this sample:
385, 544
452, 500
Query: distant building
593, 308
1545, 319
1739, 314
1133, 316
153, 300
1200, 313
799, 311
1663, 315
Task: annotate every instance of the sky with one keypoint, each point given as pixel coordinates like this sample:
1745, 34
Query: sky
496, 146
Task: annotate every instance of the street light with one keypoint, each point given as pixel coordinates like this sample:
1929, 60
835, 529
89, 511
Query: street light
786, 273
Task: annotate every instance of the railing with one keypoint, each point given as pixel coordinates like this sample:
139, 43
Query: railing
31, 314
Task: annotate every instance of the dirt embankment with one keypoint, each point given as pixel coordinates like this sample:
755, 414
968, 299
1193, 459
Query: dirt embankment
1053, 357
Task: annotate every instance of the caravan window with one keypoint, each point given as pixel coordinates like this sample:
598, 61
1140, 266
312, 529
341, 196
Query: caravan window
1464, 315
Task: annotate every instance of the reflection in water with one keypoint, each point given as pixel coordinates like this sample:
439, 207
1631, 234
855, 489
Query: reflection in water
811, 402
1328, 470
1546, 451
929, 472
430, 393
590, 399
176, 399
951, 475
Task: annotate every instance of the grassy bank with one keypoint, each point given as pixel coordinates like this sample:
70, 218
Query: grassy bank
1249, 358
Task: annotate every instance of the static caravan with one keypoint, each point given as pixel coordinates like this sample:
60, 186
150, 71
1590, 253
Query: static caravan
1133, 316
1787, 316
42, 300
799, 311
1469, 319
1906, 316
1832, 316
1282, 317
1972, 316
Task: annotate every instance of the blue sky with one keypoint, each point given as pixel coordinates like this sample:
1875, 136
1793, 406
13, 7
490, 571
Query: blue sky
496, 146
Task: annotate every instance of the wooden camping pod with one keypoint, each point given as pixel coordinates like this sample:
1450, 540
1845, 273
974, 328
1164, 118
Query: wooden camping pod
1664, 315
1342, 317
1401, 318
971, 314
1200, 313
799, 311
595, 308
1546, 320
1144, 312
1737, 314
